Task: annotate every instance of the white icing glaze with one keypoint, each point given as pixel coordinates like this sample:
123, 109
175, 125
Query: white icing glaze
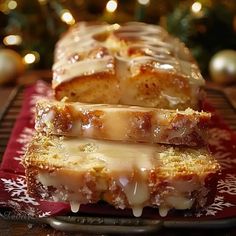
80, 41
86, 67
173, 100
74, 206
64, 53
179, 202
119, 122
155, 45
163, 211
137, 211
116, 125
137, 194
127, 164
47, 118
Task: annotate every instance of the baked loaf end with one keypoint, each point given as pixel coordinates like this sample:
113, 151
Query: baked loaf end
133, 64
125, 175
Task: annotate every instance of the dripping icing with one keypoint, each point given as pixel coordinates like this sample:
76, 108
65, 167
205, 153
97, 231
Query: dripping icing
74, 205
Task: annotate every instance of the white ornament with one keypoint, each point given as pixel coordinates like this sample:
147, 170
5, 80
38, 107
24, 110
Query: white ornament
11, 65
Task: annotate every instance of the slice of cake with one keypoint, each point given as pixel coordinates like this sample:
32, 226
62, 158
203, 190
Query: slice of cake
81, 171
123, 123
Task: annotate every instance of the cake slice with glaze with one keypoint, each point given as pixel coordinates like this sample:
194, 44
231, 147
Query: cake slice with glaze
123, 174
122, 123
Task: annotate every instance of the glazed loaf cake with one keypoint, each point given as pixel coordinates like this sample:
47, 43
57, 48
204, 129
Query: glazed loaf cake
133, 64
122, 91
126, 175
122, 123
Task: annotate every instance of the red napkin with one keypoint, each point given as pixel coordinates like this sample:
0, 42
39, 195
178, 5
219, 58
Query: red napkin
13, 189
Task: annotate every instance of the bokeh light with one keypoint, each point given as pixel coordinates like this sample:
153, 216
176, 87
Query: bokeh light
196, 7
67, 17
111, 6
12, 40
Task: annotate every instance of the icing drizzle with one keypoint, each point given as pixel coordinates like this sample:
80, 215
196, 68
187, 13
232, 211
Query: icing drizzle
135, 44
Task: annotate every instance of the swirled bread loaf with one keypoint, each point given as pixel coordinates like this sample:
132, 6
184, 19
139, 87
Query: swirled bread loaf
132, 64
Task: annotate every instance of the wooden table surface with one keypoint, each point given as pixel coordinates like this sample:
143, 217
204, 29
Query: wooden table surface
20, 228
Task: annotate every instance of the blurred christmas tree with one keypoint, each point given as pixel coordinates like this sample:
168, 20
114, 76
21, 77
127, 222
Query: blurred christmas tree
32, 27
206, 27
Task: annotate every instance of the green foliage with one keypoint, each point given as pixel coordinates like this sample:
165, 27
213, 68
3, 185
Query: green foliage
40, 25
205, 33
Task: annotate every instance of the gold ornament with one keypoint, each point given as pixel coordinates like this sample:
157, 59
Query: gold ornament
223, 67
11, 65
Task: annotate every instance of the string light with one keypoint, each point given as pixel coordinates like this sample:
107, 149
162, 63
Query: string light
196, 7
31, 57
12, 40
42, 2
12, 5
111, 6
144, 2
67, 17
